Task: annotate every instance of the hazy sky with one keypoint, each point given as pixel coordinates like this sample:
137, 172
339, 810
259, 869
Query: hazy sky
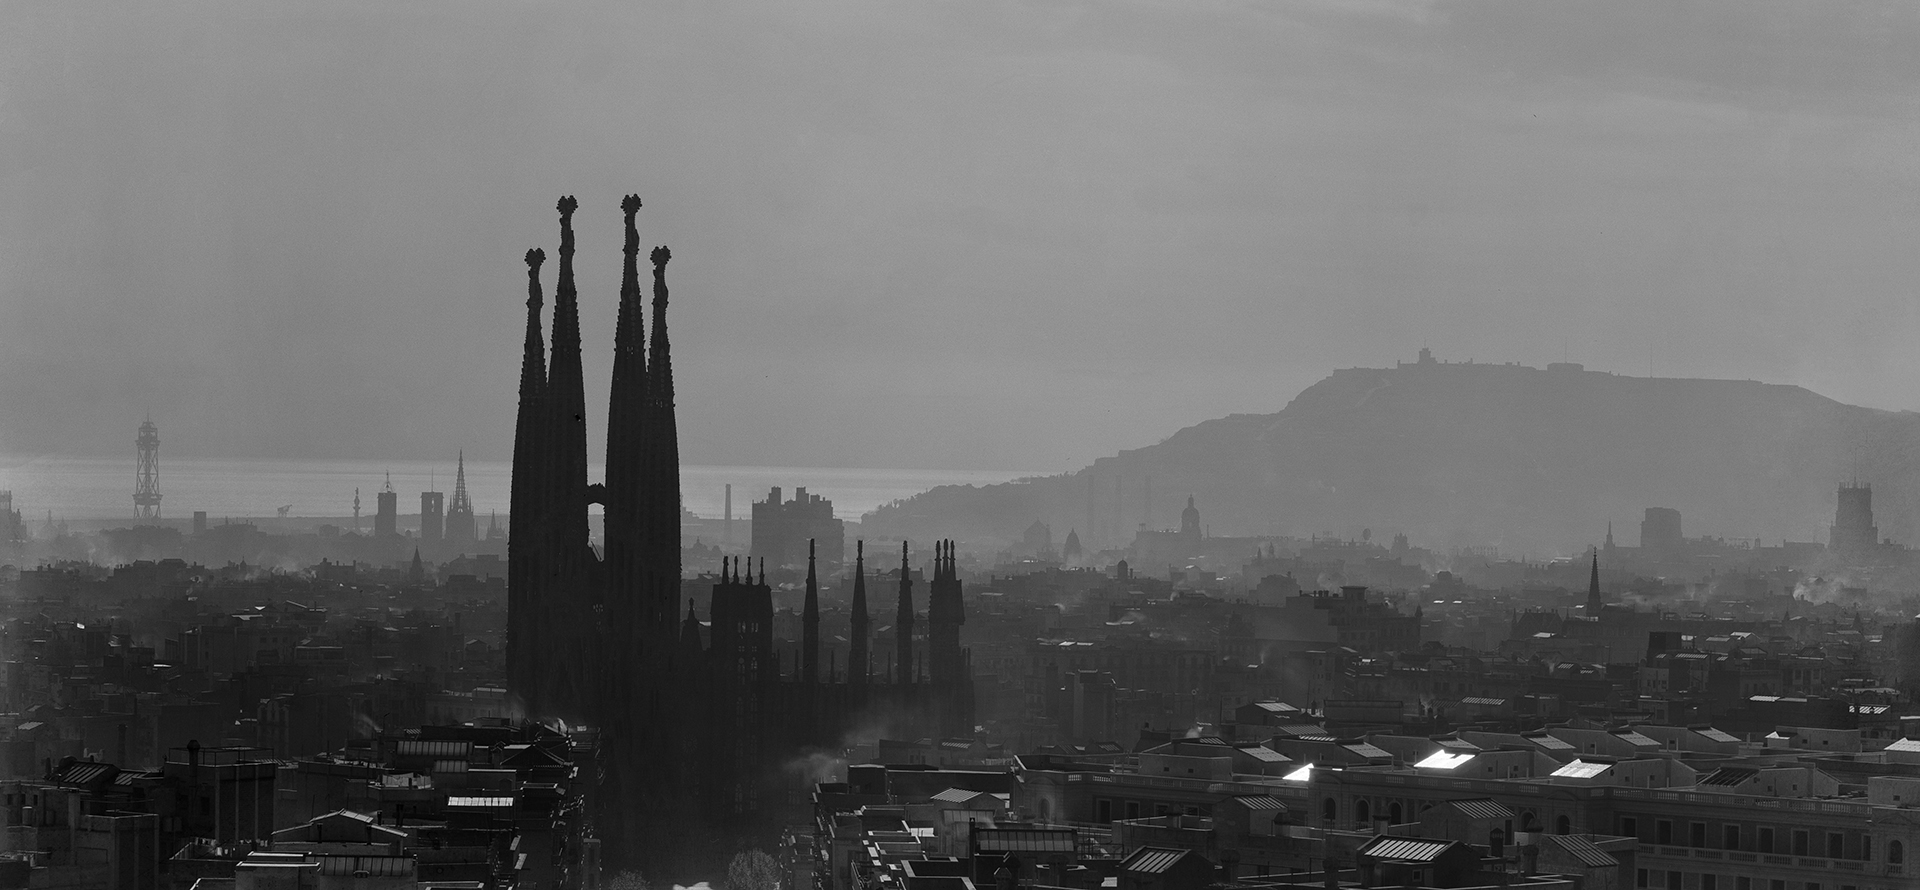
966, 235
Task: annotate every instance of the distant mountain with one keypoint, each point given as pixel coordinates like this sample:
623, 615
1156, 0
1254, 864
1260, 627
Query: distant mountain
1533, 461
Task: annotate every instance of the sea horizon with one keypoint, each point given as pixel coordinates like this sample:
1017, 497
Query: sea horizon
100, 489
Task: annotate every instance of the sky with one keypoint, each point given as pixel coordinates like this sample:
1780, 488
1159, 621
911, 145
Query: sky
973, 235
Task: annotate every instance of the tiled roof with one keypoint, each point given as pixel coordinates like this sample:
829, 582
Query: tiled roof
1547, 741
1481, 808
1480, 700
1404, 849
1717, 735
1729, 776
1261, 803
1152, 860
956, 795
1905, 745
1634, 738
439, 749
489, 802
83, 773
1026, 840
1266, 754
1583, 850
1367, 749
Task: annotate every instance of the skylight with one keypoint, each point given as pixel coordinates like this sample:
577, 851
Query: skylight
1580, 769
1443, 760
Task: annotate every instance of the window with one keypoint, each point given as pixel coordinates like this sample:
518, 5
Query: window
1360, 812
1836, 845
1640, 878
1563, 825
1896, 853
1708, 880
1393, 813
1776, 884
1800, 842
1766, 843
1866, 848
1629, 827
1328, 809
1742, 884
1730, 837
1663, 832
1104, 811
1673, 880
1133, 809
1159, 809
1697, 834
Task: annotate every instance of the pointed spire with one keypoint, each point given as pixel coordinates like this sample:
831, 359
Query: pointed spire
1593, 588
857, 647
627, 409
810, 624
903, 618
660, 464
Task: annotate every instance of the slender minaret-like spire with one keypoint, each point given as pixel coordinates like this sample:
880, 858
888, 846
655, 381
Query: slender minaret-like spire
857, 644
626, 413
903, 621
810, 624
661, 487
525, 507
567, 414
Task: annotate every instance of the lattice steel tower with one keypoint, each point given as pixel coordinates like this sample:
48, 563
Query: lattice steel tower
146, 480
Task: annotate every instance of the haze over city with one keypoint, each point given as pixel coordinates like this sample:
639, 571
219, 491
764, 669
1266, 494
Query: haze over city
960, 236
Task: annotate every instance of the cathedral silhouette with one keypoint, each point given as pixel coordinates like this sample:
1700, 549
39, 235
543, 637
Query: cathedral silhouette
691, 732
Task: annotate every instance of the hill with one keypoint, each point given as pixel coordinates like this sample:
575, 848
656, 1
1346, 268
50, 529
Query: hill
1531, 460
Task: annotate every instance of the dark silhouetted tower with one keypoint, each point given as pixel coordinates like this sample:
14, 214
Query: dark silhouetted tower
1853, 529
903, 623
1190, 520
857, 657
810, 624
433, 524
1660, 536
1593, 589
386, 516
146, 477
462, 527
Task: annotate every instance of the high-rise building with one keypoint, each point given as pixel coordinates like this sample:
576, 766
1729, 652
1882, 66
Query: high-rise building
781, 530
386, 517
1853, 530
432, 516
1660, 533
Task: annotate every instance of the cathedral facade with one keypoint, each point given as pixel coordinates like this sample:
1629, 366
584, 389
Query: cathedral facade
692, 728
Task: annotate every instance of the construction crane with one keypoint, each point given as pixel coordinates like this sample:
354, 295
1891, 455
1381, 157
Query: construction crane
283, 511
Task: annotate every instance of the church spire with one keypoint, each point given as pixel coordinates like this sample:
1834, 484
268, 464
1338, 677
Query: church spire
1593, 589
626, 411
525, 513
810, 624
567, 414
903, 620
660, 529
857, 647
